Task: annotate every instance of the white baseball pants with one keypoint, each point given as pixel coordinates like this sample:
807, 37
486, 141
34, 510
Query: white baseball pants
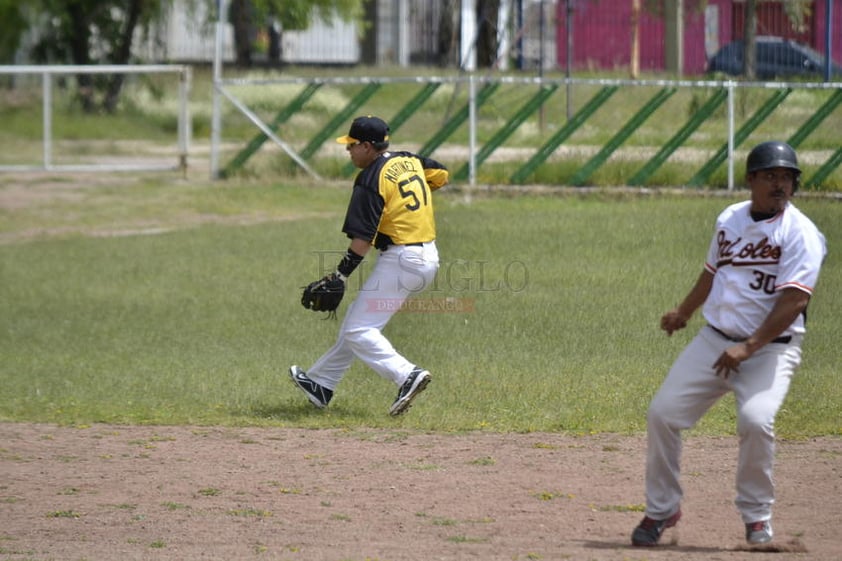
400, 271
689, 390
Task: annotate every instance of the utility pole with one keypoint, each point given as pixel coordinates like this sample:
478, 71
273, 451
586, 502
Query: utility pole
674, 39
749, 42
828, 43
634, 63
568, 69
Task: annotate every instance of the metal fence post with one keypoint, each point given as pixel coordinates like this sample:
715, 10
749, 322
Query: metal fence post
216, 117
472, 131
731, 88
184, 127
47, 85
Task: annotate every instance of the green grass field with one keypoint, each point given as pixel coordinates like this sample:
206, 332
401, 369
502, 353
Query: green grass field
560, 300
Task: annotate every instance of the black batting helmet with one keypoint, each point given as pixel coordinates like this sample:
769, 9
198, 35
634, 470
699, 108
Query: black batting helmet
773, 154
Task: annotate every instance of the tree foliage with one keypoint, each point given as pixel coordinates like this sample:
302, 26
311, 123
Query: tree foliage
82, 32
12, 27
797, 12
85, 32
298, 14
247, 17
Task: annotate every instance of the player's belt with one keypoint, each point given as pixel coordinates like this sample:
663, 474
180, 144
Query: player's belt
784, 340
415, 244
384, 242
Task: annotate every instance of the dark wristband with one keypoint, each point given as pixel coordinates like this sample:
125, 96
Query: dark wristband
349, 262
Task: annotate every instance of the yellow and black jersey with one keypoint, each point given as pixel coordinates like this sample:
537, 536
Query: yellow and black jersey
392, 200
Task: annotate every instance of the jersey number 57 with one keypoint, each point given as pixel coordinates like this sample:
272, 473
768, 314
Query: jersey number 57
408, 188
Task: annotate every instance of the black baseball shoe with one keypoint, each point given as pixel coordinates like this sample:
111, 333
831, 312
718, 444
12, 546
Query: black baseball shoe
415, 384
317, 394
649, 531
758, 533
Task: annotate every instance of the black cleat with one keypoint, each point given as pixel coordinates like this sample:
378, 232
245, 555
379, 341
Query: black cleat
317, 394
414, 385
649, 531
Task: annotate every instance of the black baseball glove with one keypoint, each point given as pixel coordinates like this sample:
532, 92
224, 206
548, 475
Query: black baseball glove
324, 295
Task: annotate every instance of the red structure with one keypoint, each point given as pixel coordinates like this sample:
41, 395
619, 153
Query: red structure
602, 31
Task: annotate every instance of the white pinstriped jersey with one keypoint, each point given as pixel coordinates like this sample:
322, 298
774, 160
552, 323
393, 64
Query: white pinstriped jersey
752, 261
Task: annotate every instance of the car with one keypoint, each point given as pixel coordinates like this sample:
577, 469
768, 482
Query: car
776, 58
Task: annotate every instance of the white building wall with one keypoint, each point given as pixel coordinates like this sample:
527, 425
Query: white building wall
189, 38
324, 43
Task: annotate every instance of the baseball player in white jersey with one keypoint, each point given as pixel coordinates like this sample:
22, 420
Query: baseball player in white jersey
391, 209
761, 267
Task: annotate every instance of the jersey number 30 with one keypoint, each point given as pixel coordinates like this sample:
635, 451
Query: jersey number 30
764, 282
408, 188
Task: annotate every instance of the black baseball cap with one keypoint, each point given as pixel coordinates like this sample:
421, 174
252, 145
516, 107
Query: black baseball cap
366, 129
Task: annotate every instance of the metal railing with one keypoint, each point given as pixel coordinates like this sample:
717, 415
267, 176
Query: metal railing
47, 72
481, 89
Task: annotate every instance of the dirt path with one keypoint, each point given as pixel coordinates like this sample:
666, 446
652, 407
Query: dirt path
191, 493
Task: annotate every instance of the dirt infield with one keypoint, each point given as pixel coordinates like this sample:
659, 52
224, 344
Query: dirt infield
190, 493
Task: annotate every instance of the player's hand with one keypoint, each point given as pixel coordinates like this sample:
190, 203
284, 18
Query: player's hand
672, 321
729, 361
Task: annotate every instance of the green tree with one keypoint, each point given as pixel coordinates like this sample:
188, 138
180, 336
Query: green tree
248, 16
89, 32
11, 29
83, 32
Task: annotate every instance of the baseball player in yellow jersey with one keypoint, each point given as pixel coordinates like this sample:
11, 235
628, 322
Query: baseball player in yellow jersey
391, 209
762, 265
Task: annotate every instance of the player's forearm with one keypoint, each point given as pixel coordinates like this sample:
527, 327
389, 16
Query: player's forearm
352, 258
790, 304
360, 246
697, 295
